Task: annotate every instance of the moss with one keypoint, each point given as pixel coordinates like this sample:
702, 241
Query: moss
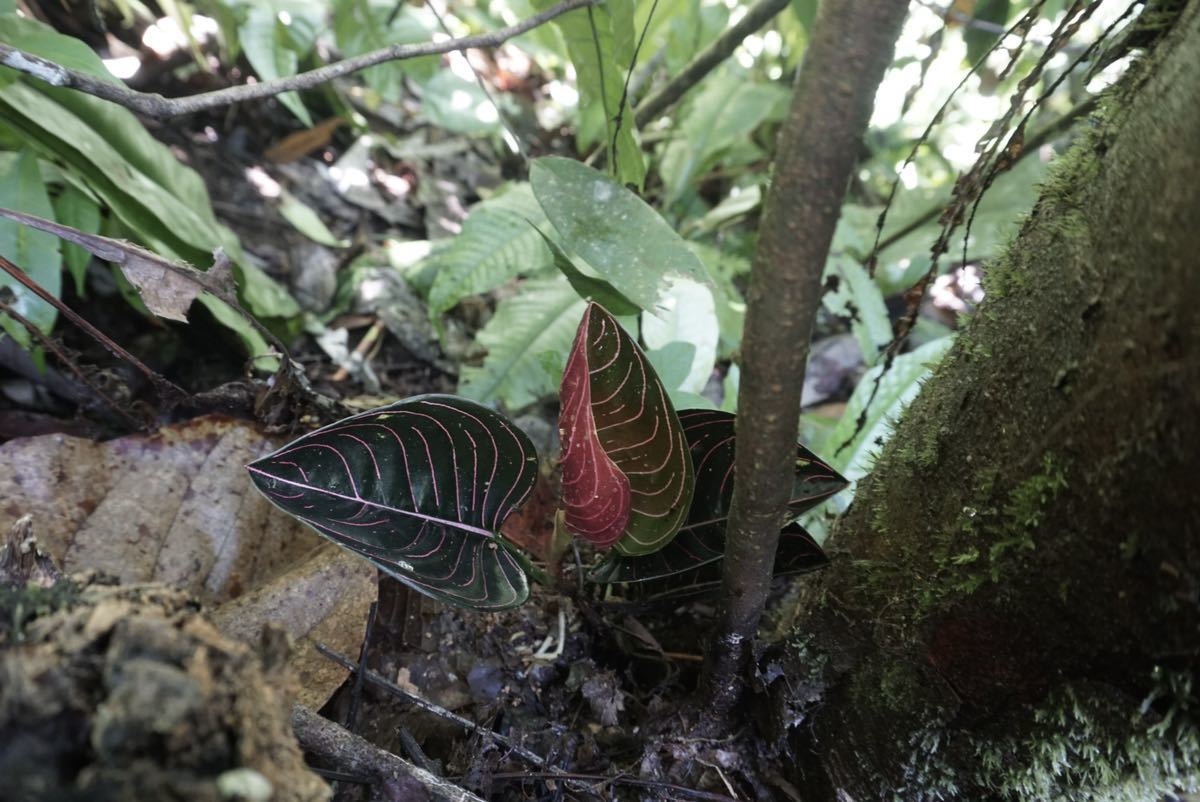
1087, 743
21, 605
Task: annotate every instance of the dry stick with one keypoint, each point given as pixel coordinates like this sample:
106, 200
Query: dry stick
162, 108
600, 779
721, 48
120, 253
430, 707
53, 348
320, 736
1041, 137
851, 47
161, 382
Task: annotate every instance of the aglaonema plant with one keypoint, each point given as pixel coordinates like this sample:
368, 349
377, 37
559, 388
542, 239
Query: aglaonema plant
421, 487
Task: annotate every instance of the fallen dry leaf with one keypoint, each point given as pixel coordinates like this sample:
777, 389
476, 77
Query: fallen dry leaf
176, 507
167, 288
301, 143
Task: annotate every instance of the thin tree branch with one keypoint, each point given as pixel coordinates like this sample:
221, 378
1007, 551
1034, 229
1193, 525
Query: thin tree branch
851, 47
357, 756
161, 108
164, 385
721, 48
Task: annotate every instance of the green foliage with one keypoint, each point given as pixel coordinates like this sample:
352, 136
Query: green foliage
526, 340
404, 486
497, 243
275, 36
717, 127
600, 41
36, 252
104, 152
852, 294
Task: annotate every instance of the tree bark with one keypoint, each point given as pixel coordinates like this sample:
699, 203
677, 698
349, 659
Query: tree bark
1013, 610
851, 46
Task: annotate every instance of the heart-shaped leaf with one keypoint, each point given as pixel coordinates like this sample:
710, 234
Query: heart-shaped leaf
419, 488
701, 541
627, 474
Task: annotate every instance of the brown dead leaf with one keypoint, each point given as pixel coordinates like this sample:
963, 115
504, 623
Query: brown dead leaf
176, 507
298, 145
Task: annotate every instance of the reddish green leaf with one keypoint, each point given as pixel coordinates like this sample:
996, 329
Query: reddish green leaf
627, 474
420, 489
701, 541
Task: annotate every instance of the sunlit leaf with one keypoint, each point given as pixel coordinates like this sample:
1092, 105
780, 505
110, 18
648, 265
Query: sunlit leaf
701, 541
627, 475
613, 230
419, 488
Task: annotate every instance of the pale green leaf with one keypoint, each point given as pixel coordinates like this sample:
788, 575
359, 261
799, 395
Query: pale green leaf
686, 313
539, 320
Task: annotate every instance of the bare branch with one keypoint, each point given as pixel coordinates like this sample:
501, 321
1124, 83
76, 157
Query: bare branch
320, 736
158, 107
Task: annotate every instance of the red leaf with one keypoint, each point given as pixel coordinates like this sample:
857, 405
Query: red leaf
595, 491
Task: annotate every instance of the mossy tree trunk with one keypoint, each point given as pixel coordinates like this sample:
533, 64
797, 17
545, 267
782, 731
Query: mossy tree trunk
1014, 607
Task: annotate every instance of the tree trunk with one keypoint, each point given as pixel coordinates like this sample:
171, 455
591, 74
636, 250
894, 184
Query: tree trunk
1014, 606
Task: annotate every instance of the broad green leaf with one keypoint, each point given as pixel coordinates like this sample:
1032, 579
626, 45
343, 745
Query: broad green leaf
539, 320
497, 243
600, 40
853, 295
360, 26
627, 474
686, 313
73, 207
35, 252
589, 288
612, 230
42, 40
701, 541
419, 488
264, 40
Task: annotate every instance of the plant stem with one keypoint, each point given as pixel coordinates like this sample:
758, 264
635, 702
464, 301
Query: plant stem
850, 49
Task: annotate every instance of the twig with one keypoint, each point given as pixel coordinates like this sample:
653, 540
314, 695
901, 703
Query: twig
357, 756
430, 707
218, 283
601, 779
161, 108
173, 391
1032, 145
721, 48
49, 344
356, 698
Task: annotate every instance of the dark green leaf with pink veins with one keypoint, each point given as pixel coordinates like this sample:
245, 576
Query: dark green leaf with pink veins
420, 489
700, 543
627, 475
